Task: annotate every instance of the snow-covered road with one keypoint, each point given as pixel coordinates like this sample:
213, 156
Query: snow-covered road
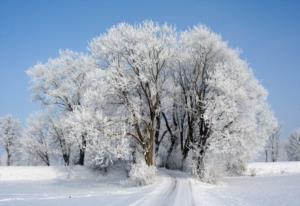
172, 189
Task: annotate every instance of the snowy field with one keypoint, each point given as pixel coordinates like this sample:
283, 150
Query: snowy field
273, 184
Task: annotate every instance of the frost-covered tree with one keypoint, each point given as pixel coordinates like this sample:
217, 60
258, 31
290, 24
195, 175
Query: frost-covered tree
219, 106
37, 138
61, 84
137, 57
10, 132
105, 137
72, 88
272, 148
59, 136
61, 81
210, 103
186, 98
293, 146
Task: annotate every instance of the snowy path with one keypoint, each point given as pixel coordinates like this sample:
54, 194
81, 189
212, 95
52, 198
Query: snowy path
175, 190
172, 189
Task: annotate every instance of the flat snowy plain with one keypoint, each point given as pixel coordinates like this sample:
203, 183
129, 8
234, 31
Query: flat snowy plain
273, 184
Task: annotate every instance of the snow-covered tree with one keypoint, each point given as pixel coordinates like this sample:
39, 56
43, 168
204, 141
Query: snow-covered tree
61, 84
10, 132
293, 146
220, 107
137, 57
105, 137
37, 138
60, 137
72, 88
211, 101
272, 149
61, 81
186, 98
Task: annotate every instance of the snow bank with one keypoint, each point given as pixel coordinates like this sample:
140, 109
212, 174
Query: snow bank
38, 173
272, 168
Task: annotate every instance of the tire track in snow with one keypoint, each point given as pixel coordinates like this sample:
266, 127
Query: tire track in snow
184, 195
157, 195
170, 194
192, 194
176, 190
173, 188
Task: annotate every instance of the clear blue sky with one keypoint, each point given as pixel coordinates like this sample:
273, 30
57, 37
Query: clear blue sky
268, 32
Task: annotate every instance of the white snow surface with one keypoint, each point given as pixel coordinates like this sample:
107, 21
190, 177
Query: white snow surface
39, 173
35, 186
273, 168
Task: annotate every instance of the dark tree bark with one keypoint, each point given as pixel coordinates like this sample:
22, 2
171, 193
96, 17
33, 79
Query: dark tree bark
66, 157
64, 147
82, 150
8, 161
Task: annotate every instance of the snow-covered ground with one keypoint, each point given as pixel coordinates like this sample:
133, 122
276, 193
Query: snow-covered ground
273, 168
35, 186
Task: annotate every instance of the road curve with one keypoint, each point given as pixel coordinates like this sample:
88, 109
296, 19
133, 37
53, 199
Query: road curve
174, 190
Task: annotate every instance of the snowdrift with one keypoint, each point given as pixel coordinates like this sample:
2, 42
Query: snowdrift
42, 173
272, 168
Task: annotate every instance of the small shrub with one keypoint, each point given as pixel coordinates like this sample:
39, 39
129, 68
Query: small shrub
213, 169
142, 174
252, 172
213, 173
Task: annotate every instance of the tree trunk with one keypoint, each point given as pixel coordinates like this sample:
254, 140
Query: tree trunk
47, 160
82, 150
186, 146
8, 159
189, 138
170, 150
200, 168
66, 158
157, 142
8, 155
149, 156
273, 155
81, 157
65, 150
172, 136
44, 157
